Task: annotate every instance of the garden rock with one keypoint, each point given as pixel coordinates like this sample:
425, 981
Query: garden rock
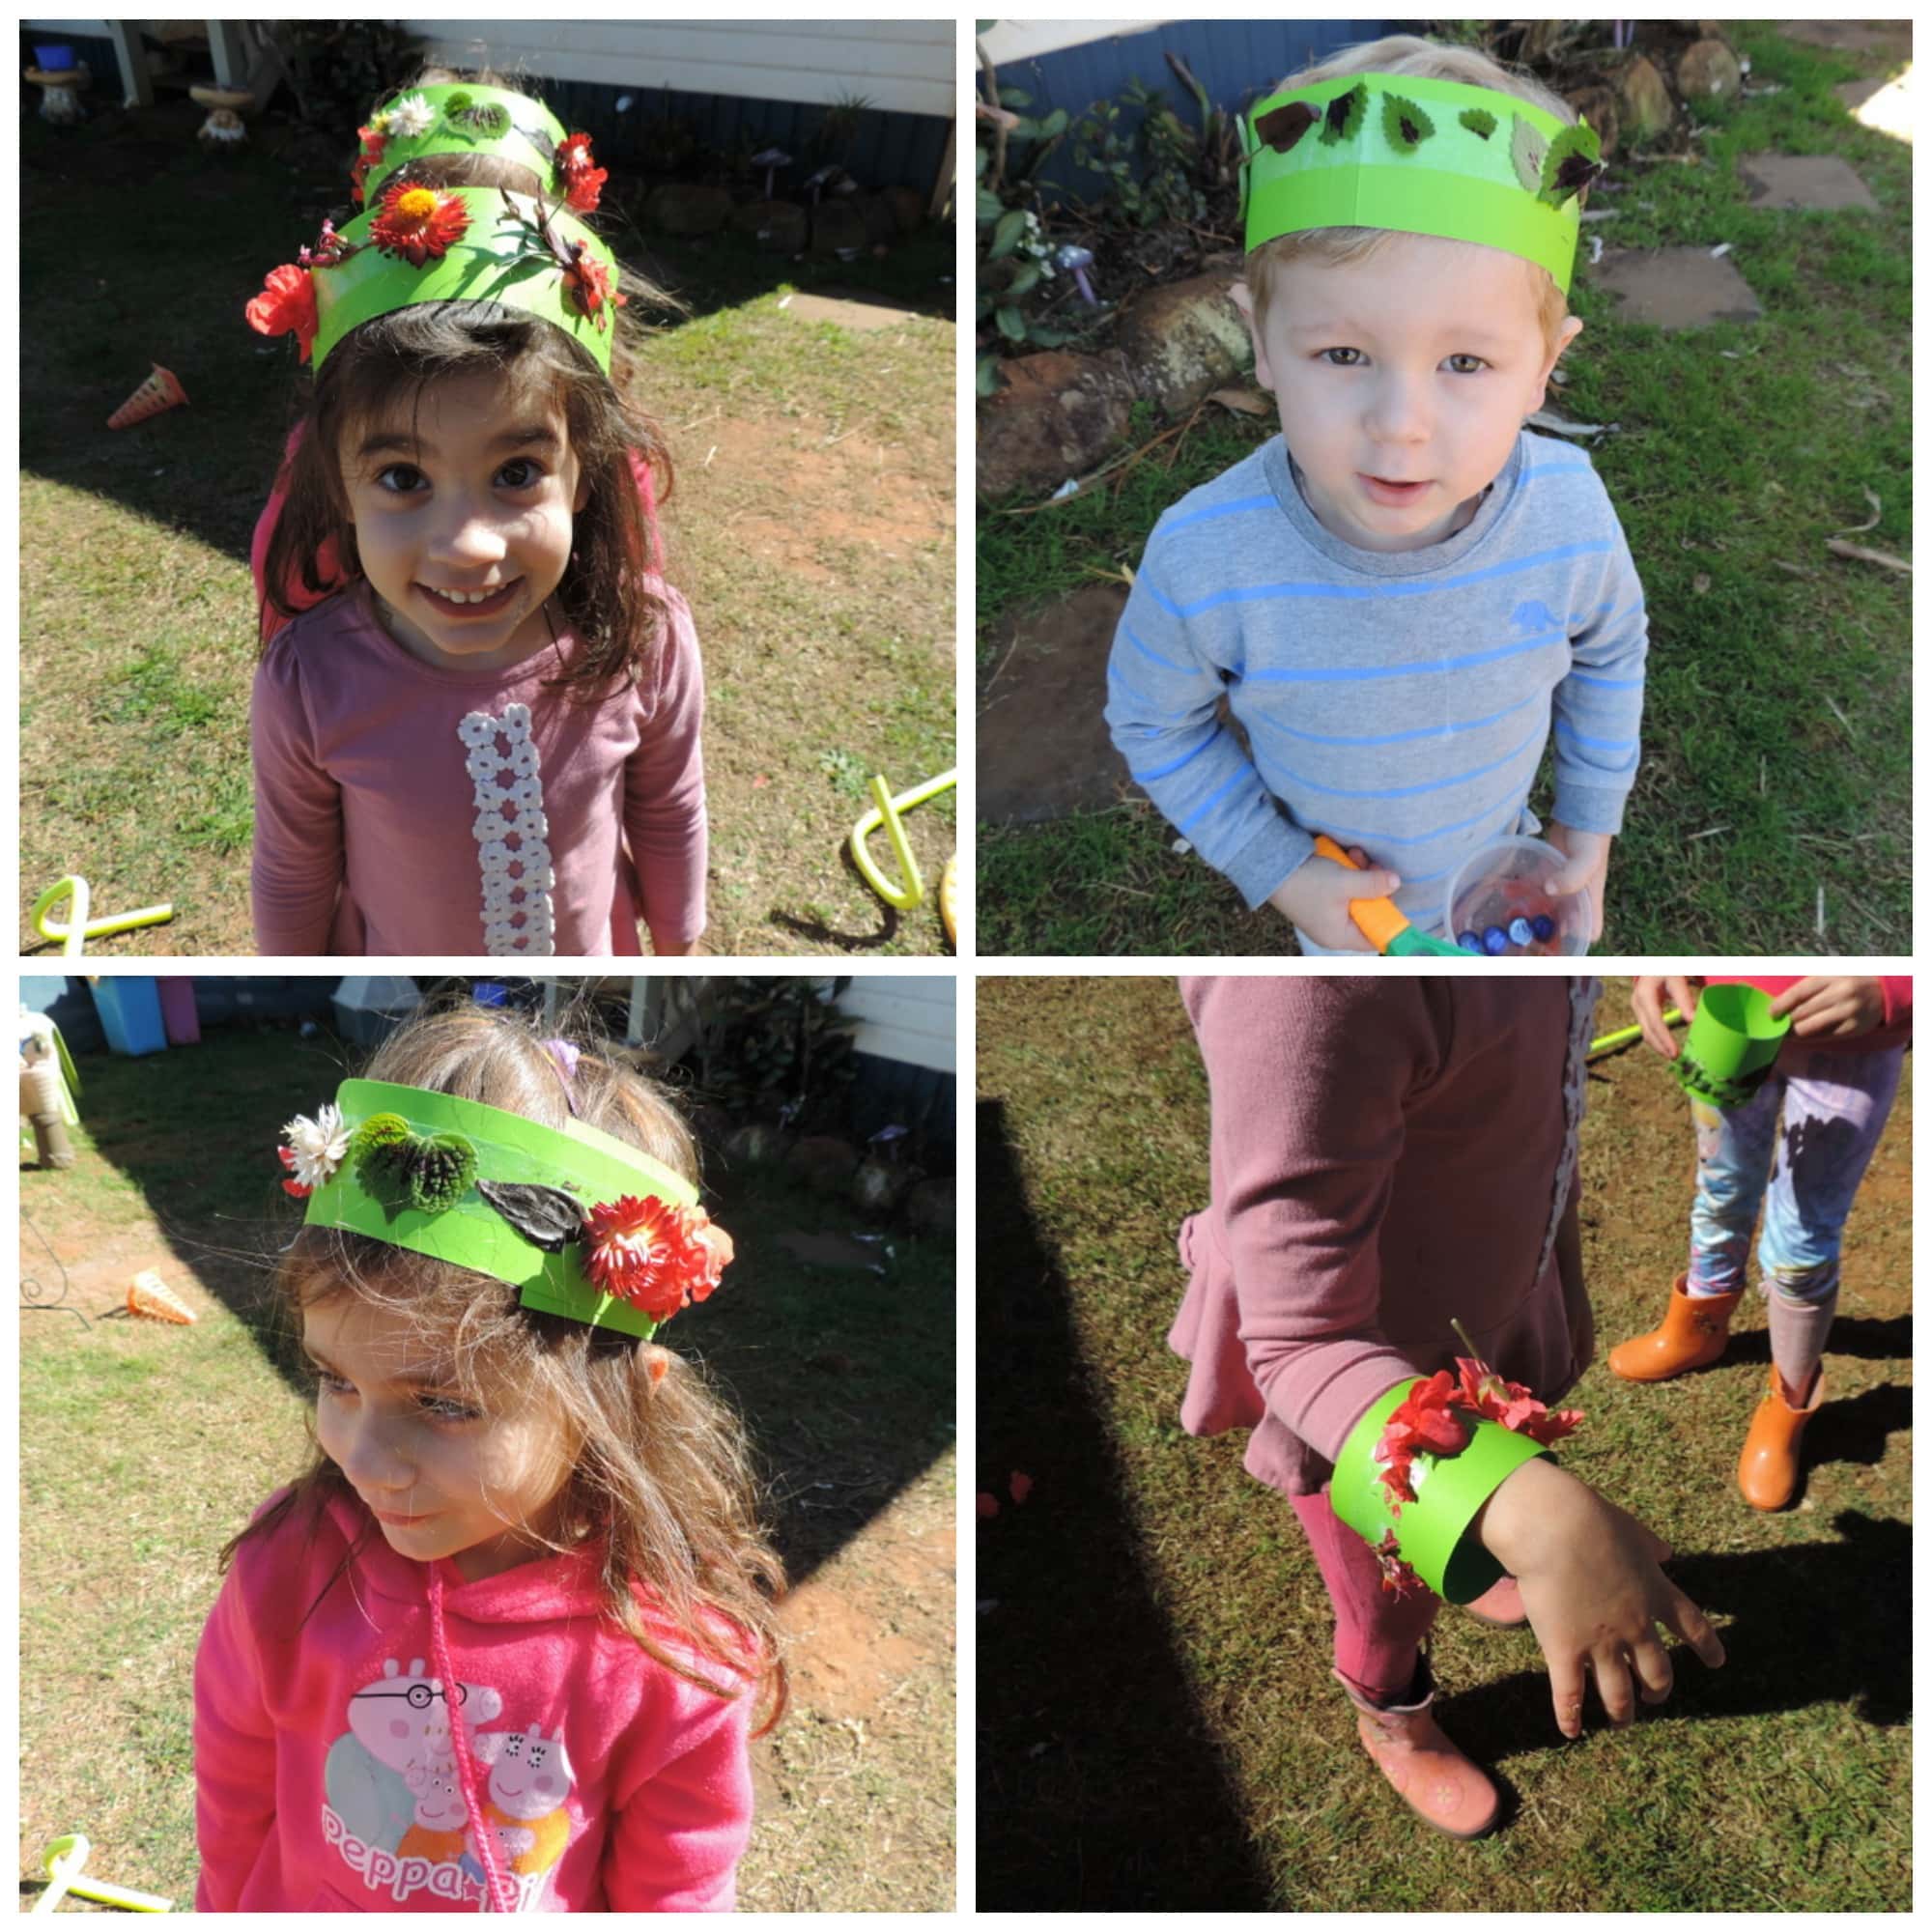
1804, 180
823, 1161
1676, 287
1054, 416
932, 1207
1643, 101
1708, 68
876, 212
780, 227
836, 225
1598, 106
908, 206
1184, 340
687, 208
1044, 746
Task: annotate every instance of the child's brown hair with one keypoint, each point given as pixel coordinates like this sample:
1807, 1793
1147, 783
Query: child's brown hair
608, 591
1426, 60
663, 1485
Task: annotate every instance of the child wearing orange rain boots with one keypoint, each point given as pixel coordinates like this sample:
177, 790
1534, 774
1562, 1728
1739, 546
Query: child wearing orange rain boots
1832, 1089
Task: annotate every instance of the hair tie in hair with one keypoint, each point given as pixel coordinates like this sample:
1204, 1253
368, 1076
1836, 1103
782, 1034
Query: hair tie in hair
566, 1057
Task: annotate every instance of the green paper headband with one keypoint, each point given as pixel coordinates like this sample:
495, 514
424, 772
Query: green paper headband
1449, 1490
512, 251
471, 1232
466, 121
1421, 156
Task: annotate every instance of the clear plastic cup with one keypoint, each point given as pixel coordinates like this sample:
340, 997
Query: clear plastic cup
1500, 900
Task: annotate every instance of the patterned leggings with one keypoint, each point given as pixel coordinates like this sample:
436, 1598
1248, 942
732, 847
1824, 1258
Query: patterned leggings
1833, 1107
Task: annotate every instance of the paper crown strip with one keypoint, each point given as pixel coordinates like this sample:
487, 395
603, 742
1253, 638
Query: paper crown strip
474, 120
424, 244
1421, 156
580, 1224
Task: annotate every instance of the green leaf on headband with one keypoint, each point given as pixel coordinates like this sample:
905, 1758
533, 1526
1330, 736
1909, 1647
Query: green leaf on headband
1527, 149
438, 1167
1342, 119
546, 1217
490, 119
457, 103
1574, 161
376, 1143
1286, 126
1405, 126
1479, 121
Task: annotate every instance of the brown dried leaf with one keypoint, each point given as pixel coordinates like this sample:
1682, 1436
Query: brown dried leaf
1244, 402
1859, 553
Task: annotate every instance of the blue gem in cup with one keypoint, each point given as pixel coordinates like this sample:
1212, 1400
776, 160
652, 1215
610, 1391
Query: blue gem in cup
1519, 931
1468, 942
1494, 939
1543, 925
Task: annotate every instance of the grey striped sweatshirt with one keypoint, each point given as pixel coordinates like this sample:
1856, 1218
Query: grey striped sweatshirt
1397, 701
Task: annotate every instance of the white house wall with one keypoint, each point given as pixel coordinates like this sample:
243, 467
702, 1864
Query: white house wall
906, 67
904, 1019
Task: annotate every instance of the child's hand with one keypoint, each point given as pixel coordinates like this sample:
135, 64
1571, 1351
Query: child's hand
1316, 896
1595, 1596
1647, 1002
1824, 1005
1589, 857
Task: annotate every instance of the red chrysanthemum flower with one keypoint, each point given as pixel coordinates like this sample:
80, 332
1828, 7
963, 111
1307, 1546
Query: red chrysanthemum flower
642, 1251
286, 306
582, 183
418, 223
1498, 1400
589, 285
1421, 1424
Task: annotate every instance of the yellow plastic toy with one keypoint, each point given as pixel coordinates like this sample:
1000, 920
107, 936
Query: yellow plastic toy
886, 811
65, 1858
79, 929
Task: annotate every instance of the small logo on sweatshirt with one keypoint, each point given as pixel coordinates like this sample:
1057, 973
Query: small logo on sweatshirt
1534, 617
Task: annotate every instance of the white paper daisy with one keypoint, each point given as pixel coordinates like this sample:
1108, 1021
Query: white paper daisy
316, 1147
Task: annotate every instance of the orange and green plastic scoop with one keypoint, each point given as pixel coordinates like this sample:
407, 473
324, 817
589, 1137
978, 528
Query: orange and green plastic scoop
1379, 922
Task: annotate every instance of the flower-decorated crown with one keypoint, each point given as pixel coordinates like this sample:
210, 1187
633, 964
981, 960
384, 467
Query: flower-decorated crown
581, 1224
1421, 156
467, 118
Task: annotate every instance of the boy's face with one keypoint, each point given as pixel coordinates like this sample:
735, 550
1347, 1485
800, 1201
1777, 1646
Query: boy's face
1403, 380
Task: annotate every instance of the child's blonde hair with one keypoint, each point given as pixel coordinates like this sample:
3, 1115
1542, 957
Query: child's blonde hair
663, 1481
1426, 60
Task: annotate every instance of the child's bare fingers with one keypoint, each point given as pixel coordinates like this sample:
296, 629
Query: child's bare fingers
1566, 1693
1652, 1669
1693, 1627
1614, 1685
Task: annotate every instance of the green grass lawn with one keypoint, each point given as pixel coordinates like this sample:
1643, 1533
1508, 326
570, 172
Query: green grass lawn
1777, 709
144, 1448
811, 527
1157, 1727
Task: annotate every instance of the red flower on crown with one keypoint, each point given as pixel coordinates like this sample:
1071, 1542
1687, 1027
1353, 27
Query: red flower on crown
582, 183
418, 223
1420, 1424
373, 145
588, 284
286, 306
656, 1257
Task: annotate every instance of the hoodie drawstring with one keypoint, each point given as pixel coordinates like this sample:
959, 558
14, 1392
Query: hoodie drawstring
502, 1895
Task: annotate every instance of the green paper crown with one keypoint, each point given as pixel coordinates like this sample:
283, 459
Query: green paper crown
1421, 156
469, 121
512, 252
412, 1151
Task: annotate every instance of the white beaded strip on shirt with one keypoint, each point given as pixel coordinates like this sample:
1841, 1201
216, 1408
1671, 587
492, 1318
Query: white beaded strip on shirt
516, 879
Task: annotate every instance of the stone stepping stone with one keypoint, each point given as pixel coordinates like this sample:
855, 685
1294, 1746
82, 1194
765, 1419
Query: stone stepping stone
1676, 287
1852, 36
1044, 751
1803, 182
1885, 106
851, 309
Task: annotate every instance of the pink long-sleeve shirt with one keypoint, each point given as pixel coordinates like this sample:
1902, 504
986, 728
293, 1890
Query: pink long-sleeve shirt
1387, 1153
325, 1741
381, 821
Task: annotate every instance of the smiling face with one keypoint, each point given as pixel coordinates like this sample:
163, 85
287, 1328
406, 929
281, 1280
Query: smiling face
442, 1477
1402, 379
463, 509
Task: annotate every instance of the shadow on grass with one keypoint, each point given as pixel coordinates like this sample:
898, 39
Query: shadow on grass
1100, 1786
189, 237
844, 1380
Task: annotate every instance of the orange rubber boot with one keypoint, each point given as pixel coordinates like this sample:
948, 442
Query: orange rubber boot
1693, 1336
1441, 1786
1768, 1469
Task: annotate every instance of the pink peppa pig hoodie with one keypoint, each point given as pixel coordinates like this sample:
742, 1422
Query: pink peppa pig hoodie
332, 1773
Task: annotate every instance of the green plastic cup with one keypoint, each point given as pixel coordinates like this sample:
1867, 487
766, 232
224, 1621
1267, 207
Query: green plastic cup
1732, 1047
1449, 1490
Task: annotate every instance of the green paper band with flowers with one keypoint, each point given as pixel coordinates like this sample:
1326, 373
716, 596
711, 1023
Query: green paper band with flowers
1412, 1504
1420, 156
581, 1224
461, 120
